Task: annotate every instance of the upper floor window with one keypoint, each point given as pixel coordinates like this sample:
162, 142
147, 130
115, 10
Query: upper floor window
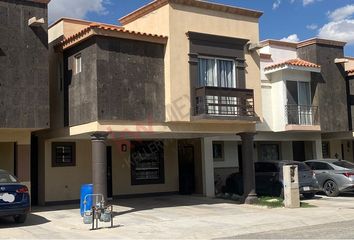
299, 107
298, 93
216, 72
78, 64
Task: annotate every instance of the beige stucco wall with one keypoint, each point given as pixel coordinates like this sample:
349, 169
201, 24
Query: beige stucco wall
19, 136
181, 19
350, 64
7, 156
335, 147
63, 183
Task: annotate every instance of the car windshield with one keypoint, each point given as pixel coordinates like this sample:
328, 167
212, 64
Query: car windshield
7, 178
344, 164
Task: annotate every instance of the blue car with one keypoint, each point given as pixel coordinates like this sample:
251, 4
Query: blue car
14, 198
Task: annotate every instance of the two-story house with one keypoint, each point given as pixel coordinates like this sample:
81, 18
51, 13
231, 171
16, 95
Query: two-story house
134, 107
303, 90
24, 86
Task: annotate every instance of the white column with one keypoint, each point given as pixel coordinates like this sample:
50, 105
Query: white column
208, 167
317, 147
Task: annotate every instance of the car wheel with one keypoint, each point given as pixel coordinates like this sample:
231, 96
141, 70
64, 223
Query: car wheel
331, 188
308, 195
20, 218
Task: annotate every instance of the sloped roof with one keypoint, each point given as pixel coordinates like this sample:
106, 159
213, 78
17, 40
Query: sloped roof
293, 62
350, 72
90, 31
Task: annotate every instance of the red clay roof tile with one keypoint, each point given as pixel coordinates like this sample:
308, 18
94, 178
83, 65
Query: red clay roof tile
81, 34
350, 72
294, 62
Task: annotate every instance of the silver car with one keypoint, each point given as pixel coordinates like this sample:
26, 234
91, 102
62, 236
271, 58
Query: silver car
334, 176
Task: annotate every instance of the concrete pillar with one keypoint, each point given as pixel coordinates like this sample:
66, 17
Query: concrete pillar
208, 167
317, 147
248, 173
99, 164
23, 163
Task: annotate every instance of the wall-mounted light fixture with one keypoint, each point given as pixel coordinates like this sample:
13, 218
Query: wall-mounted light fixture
124, 147
35, 22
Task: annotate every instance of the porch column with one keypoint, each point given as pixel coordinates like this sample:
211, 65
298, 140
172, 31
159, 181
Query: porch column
248, 172
317, 147
99, 164
23, 163
208, 167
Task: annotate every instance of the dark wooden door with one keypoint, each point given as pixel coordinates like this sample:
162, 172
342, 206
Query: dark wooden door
186, 169
299, 151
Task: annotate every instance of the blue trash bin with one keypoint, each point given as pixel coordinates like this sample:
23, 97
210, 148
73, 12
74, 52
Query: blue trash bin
85, 189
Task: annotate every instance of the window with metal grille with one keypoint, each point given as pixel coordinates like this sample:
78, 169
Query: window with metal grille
63, 154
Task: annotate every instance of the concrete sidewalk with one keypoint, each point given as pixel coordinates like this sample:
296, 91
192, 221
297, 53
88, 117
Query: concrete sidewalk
178, 217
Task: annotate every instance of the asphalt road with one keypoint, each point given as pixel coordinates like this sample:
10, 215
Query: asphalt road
338, 230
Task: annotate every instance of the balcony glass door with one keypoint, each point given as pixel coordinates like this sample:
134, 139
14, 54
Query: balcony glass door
215, 72
299, 109
305, 109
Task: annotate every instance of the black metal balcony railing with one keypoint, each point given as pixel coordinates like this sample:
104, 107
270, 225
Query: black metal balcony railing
218, 101
302, 115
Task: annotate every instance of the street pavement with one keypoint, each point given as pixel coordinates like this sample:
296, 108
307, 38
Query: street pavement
336, 230
184, 217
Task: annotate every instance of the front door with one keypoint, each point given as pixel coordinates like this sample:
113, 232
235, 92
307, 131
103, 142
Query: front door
186, 169
109, 173
299, 151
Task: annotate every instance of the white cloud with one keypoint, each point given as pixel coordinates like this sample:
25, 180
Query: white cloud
307, 2
74, 8
341, 25
312, 26
276, 4
342, 30
341, 13
291, 38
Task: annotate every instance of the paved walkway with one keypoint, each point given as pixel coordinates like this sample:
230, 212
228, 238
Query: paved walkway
177, 217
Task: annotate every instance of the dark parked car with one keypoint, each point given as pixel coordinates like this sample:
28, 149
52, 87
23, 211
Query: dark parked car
334, 176
269, 179
14, 198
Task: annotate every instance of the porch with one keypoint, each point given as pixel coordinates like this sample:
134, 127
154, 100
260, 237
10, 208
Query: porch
140, 165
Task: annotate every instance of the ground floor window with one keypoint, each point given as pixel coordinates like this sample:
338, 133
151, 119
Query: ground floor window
218, 151
269, 151
325, 150
63, 154
147, 162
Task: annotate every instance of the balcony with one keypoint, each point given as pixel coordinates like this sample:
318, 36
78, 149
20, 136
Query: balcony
224, 103
302, 118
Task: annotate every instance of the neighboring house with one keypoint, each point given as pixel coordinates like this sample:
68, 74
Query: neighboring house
307, 92
144, 100
24, 86
341, 144
303, 99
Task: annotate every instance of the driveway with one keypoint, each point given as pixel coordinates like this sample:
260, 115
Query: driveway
177, 217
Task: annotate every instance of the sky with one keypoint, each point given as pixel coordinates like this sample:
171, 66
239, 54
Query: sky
291, 20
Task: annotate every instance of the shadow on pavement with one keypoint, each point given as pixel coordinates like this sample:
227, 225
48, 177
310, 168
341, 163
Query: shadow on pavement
37, 209
148, 203
32, 220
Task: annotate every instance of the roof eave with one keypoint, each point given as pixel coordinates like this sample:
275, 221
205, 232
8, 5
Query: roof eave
148, 8
291, 67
